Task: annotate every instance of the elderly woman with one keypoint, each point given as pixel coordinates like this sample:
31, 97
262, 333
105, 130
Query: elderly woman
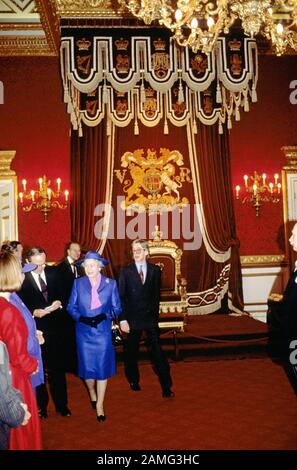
14, 333
93, 303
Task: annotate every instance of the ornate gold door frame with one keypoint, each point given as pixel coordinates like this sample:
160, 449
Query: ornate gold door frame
289, 181
8, 197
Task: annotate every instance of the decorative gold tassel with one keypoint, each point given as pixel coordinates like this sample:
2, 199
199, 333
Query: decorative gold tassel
166, 130
136, 128
70, 108
66, 94
218, 94
220, 128
254, 94
142, 94
80, 131
237, 114
229, 123
180, 98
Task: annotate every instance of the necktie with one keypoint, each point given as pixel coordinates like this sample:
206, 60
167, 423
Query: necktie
141, 275
74, 270
43, 287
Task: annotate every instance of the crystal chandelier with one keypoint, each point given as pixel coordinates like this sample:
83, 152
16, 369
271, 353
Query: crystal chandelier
198, 23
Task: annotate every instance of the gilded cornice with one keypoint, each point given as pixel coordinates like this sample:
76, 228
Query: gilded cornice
24, 46
88, 8
20, 26
50, 24
6, 157
262, 259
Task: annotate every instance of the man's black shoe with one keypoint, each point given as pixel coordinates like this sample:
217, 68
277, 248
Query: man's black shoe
135, 386
168, 393
42, 413
64, 411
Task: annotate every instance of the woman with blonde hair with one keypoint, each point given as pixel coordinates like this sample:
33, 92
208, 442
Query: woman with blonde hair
14, 333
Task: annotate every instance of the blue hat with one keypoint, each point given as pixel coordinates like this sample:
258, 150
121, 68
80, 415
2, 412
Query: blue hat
92, 255
28, 267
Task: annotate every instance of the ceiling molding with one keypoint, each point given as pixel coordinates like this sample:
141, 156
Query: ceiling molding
24, 46
28, 27
50, 23
88, 8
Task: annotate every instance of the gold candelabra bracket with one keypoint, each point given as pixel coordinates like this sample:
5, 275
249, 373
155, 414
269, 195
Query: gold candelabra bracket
258, 190
44, 198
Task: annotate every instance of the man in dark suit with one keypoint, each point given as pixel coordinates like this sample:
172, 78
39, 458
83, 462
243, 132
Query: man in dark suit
40, 292
68, 271
140, 284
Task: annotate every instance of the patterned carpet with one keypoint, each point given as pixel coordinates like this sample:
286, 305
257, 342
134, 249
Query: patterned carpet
222, 404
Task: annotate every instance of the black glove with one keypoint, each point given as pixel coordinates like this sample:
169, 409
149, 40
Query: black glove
92, 321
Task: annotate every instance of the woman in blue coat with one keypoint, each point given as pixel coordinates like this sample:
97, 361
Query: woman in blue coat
93, 303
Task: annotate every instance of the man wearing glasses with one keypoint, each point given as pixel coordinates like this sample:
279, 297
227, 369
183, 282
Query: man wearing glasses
140, 284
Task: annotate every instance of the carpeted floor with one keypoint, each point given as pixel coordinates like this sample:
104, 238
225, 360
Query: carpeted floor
222, 404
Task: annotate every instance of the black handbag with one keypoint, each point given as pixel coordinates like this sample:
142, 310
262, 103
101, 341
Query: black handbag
116, 334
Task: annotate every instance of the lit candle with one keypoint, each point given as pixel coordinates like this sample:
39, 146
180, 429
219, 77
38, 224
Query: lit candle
245, 180
24, 182
59, 183
237, 191
271, 187
40, 184
49, 193
21, 197
275, 178
66, 195
32, 195
264, 178
255, 189
279, 187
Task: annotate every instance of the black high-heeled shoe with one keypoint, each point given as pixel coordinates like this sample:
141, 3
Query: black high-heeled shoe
101, 418
93, 404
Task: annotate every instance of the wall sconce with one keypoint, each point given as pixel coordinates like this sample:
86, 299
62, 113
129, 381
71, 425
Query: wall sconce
43, 198
259, 190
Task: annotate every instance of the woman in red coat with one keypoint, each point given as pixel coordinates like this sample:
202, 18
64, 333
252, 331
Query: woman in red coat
14, 333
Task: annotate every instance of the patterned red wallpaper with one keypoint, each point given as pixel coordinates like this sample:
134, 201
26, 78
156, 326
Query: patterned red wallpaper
256, 143
34, 122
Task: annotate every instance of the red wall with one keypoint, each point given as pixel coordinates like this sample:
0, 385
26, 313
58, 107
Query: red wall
34, 122
256, 143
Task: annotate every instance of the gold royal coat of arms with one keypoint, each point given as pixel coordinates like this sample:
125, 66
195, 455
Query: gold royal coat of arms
153, 183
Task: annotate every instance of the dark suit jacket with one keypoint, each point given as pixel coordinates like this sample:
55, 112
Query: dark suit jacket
33, 299
66, 279
289, 308
140, 302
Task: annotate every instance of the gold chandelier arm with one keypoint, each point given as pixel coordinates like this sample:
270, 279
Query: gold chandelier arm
198, 23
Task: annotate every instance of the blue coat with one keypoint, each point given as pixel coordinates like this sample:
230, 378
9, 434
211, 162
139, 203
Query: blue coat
96, 353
